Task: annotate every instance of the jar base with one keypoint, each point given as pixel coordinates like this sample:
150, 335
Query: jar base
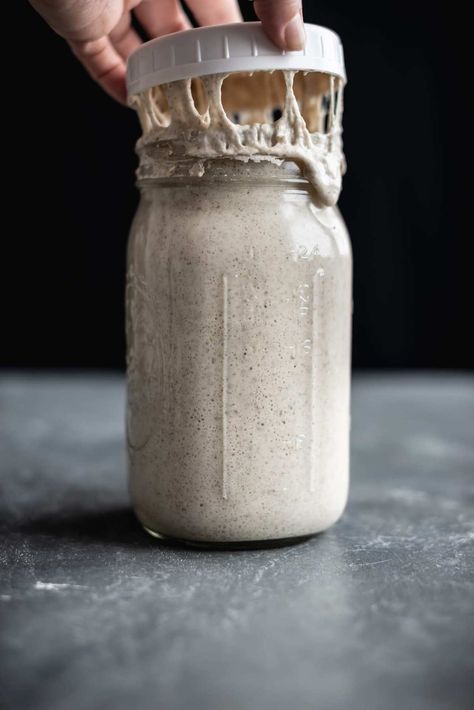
230, 545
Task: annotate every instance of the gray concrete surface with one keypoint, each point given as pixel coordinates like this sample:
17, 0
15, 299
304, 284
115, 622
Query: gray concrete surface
377, 613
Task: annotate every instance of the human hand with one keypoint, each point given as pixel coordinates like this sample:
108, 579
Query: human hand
101, 36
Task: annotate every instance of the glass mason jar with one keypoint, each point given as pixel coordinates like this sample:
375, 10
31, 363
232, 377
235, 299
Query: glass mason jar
239, 303
238, 292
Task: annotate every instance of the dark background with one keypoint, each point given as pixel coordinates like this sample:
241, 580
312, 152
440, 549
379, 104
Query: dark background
406, 198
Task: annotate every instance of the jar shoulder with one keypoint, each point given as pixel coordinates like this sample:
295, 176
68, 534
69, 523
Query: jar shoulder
238, 219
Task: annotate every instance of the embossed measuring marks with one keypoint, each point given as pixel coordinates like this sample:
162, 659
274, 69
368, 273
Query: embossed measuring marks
255, 353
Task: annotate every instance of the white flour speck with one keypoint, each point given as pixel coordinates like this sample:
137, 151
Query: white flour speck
56, 587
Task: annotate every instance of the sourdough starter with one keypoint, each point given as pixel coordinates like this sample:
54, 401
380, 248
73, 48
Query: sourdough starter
238, 316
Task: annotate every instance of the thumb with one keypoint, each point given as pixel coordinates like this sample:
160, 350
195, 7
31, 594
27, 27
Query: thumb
282, 20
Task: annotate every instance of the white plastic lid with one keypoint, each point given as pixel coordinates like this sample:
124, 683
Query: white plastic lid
241, 46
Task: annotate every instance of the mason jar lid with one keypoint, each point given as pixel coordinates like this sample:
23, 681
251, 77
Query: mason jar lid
220, 49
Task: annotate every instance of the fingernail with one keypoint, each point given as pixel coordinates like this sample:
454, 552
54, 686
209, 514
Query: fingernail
294, 34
